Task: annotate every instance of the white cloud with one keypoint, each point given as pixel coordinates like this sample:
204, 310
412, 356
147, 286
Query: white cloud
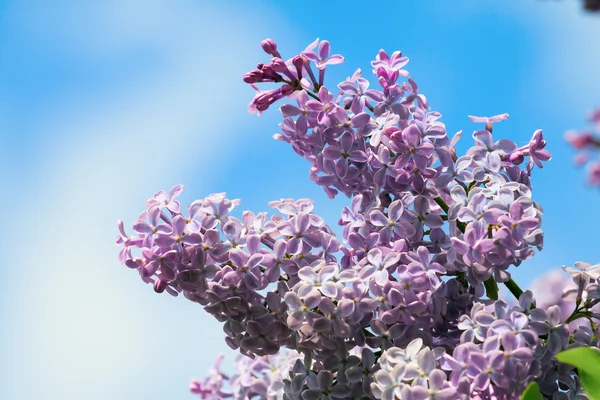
79, 325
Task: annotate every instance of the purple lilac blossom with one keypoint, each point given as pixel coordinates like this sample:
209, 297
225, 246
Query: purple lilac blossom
587, 143
400, 307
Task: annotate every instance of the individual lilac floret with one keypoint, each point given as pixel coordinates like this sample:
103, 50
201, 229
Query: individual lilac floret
391, 224
321, 57
318, 276
323, 388
378, 268
357, 88
162, 199
343, 153
394, 63
485, 369
488, 121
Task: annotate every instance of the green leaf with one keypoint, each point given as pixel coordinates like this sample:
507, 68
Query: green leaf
587, 362
532, 392
591, 384
584, 358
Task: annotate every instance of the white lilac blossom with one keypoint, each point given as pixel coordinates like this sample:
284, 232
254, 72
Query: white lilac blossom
405, 305
261, 377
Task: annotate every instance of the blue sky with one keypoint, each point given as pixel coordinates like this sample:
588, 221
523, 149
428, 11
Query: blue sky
103, 103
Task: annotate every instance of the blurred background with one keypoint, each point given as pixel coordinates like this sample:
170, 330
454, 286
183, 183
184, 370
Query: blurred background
104, 102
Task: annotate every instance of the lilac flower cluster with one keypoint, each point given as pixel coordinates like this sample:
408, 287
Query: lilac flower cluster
587, 142
261, 376
403, 306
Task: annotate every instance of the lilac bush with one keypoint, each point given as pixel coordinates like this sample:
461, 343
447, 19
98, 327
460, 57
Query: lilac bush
592, 5
587, 143
404, 305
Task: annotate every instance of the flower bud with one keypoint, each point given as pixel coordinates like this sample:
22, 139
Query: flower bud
537, 140
133, 264
298, 62
594, 174
516, 157
581, 158
281, 66
381, 72
579, 140
394, 133
254, 76
278, 65
160, 286
270, 47
286, 90
270, 73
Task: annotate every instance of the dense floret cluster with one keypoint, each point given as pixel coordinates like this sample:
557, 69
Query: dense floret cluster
404, 305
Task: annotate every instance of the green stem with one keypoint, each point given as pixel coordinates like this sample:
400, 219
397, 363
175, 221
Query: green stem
459, 224
442, 204
491, 288
577, 315
513, 288
580, 311
367, 333
313, 96
297, 86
